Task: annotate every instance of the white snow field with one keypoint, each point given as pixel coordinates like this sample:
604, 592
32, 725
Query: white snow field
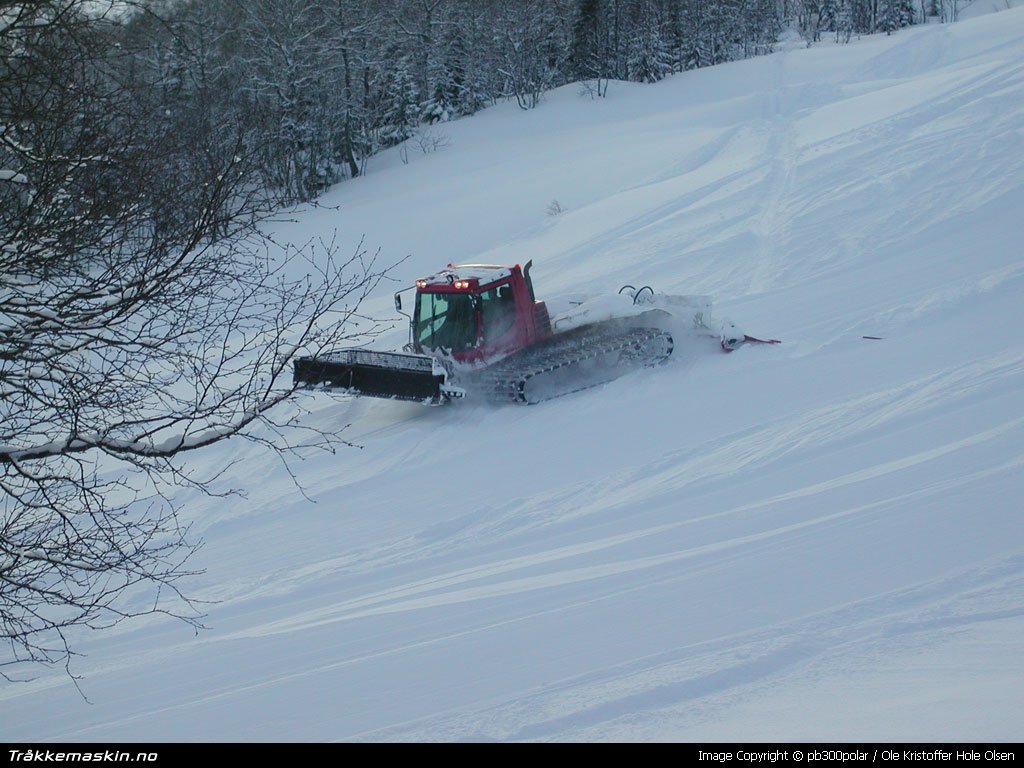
817, 540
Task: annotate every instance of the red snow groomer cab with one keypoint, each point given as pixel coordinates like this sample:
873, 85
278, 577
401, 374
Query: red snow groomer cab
477, 313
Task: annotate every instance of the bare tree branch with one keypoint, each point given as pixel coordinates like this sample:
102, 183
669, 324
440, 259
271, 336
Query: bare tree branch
144, 314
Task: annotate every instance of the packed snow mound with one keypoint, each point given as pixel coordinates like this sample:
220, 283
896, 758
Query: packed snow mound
973, 9
816, 540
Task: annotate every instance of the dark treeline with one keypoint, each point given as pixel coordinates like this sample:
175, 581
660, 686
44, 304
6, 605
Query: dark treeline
305, 91
319, 86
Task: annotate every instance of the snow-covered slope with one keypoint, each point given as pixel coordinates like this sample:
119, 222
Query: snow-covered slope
817, 540
973, 9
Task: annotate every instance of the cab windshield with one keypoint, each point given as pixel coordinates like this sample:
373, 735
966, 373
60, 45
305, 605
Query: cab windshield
445, 321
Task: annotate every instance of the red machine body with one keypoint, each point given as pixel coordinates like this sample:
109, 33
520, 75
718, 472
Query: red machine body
476, 313
478, 329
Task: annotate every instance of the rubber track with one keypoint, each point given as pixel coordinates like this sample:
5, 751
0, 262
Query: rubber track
510, 379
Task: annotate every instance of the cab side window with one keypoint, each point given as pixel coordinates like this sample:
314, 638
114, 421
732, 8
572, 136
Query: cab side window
498, 311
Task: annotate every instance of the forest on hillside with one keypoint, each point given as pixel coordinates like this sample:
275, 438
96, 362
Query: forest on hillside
313, 88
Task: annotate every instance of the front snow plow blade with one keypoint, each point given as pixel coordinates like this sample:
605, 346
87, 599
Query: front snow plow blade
390, 375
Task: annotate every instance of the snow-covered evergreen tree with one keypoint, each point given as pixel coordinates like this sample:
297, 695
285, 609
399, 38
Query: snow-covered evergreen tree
399, 105
843, 21
649, 58
889, 15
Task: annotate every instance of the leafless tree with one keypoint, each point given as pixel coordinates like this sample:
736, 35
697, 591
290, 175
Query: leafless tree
531, 51
144, 314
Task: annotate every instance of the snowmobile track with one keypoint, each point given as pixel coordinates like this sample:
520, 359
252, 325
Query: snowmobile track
573, 361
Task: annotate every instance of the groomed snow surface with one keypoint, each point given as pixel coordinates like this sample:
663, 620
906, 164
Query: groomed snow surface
818, 540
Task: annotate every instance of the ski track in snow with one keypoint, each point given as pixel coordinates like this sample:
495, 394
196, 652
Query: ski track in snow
710, 550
